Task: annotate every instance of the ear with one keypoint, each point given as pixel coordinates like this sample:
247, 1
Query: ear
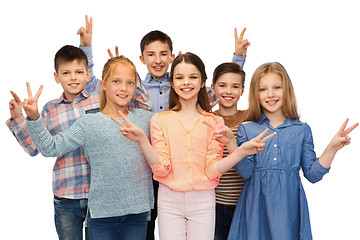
88, 75
172, 57
242, 91
203, 84
142, 59
56, 76
102, 84
212, 88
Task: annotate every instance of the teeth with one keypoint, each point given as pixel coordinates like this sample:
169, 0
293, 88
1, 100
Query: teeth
228, 98
186, 89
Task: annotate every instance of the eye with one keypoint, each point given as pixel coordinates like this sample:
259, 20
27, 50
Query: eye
277, 87
262, 89
131, 82
116, 81
80, 72
65, 73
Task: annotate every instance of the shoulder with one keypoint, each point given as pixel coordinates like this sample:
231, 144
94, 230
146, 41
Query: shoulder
142, 113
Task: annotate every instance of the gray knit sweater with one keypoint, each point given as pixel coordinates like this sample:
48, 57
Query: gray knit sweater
121, 180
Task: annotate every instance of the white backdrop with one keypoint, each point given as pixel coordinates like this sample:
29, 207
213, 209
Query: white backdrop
316, 41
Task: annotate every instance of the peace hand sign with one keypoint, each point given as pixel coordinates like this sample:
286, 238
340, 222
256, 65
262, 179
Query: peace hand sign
341, 138
241, 44
129, 130
222, 132
30, 103
15, 106
86, 33
116, 52
256, 144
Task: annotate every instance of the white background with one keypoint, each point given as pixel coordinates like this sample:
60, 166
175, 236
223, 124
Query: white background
316, 41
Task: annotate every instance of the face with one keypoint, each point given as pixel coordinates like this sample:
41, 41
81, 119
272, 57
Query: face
271, 93
157, 57
120, 86
187, 81
228, 88
73, 77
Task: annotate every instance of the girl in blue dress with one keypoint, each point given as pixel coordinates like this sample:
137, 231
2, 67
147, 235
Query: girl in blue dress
272, 204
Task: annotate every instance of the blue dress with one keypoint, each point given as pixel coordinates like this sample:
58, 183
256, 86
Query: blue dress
272, 204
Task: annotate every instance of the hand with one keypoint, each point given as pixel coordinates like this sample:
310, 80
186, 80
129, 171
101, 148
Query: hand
86, 33
256, 144
341, 138
130, 130
116, 52
241, 44
15, 106
30, 104
222, 132
215, 102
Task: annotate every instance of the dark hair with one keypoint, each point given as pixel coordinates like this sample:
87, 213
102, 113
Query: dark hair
203, 99
228, 67
155, 36
69, 53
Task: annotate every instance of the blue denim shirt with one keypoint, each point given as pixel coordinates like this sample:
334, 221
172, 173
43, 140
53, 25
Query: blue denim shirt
272, 204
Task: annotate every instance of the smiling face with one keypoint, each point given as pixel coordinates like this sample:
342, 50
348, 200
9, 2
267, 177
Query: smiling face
187, 81
119, 87
157, 57
228, 88
73, 77
271, 94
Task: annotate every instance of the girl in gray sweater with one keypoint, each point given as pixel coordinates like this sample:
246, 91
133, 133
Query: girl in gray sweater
121, 192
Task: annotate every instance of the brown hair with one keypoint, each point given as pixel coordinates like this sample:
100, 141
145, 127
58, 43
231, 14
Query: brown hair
228, 67
289, 107
155, 36
203, 99
69, 53
107, 73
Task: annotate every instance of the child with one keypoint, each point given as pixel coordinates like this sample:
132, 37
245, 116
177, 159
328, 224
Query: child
121, 193
272, 204
228, 86
156, 53
187, 159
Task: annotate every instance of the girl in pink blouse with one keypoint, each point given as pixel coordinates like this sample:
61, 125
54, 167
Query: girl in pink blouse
185, 156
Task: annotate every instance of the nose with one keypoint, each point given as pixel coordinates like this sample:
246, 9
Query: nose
186, 81
157, 59
73, 76
122, 86
270, 93
228, 89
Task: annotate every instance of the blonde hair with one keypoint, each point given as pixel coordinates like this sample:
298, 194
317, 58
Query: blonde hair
107, 73
289, 107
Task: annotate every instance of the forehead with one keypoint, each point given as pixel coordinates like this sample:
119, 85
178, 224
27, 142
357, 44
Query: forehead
157, 46
75, 64
270, 79
230, 78
185, 68
123, 71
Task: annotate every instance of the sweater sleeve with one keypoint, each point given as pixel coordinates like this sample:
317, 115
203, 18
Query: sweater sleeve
58, 145
163, 167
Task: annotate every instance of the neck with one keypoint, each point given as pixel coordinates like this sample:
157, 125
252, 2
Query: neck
113, 111
276, 119
227, 111
190, 106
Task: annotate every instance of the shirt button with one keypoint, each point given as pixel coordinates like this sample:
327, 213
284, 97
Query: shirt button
161, 107
274, 159
187, 132
189, 166
275, 145
189, 149
160, 93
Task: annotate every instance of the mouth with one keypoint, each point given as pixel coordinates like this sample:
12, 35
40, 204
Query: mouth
74, 85
272, 102
227, 98
122, 96
158, 68
188, 89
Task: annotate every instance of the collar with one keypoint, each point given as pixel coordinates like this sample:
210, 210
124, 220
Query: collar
288, 121
150, 78
83, 94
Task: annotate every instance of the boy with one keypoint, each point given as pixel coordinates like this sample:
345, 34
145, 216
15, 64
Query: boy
71, 173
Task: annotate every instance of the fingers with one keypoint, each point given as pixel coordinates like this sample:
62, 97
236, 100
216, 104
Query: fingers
242, 34
235, 34
350, 129
268, 137
37, 95
28, 89
261, 135
209, 124
214, 103
117, 51
118, 121
127, 121
110, 53
16, 98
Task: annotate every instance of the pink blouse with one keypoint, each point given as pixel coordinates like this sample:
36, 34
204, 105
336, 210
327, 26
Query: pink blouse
187, 157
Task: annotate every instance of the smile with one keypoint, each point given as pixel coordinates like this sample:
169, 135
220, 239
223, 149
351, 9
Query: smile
186, 89
74, 85
227, 98
272, 102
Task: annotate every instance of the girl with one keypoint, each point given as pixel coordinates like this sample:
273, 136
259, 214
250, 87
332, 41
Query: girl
187, 160
228, 86
272, 204
121, 193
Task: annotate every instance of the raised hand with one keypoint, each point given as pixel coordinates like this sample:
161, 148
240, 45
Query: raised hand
130, 130
30, 103
86, 33
116, 52
341, 138
222, 132
215, 102
15, 106
256, 144
241, 44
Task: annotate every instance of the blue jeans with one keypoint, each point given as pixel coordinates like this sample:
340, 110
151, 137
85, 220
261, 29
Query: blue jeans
224, 215
70, 215
128, 227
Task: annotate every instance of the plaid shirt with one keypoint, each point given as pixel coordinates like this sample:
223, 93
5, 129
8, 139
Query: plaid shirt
71, 172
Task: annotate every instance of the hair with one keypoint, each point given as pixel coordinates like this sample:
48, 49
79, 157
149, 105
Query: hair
69, 53
203, 99
155, 36
289, 107
228, 67
108, 70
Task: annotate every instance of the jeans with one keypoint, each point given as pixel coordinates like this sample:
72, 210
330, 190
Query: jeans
70, 215
224, 215
128, 227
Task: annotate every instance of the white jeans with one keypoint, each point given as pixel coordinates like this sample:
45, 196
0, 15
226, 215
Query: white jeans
186, 215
